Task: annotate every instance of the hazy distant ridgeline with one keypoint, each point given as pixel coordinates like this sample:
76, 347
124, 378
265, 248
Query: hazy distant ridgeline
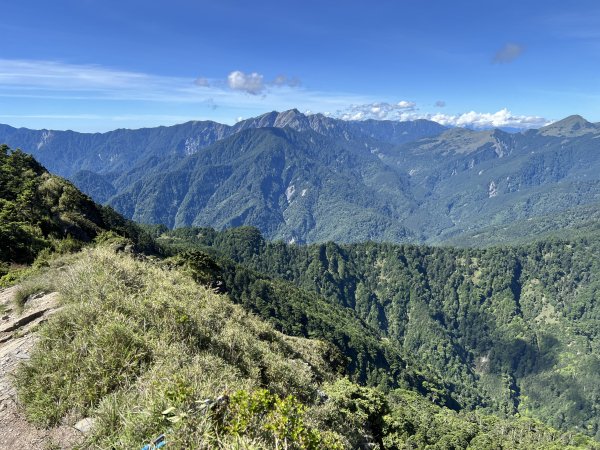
68, 152
312, 178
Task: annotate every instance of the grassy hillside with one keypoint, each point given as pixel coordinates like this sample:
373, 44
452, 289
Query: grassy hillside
135, 341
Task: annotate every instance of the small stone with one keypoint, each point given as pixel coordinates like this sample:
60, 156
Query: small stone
84, 425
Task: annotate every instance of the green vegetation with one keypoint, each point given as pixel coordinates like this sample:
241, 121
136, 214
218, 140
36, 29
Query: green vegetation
369, 358
27, 289
145, 350
507, 330
230, 341
314, 179
578, 222
460, 186
41, 212
135, 341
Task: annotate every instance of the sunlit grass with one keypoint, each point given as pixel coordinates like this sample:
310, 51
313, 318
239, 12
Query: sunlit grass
135, 340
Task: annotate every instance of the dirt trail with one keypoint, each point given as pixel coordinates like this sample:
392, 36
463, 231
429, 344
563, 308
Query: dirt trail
17, 337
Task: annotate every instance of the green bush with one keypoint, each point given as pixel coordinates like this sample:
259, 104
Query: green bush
279, 423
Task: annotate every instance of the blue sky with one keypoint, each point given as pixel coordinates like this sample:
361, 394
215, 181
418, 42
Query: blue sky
92, 65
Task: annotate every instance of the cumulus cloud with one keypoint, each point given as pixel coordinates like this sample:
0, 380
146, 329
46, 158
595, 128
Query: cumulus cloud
403, 104
508, 53
502, 118
251, 83
404, 110
378, 111
254, 83
439, 104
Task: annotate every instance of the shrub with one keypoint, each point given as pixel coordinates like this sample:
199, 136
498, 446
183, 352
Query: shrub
279, 423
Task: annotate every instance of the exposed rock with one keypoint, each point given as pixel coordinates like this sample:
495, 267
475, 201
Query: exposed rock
17, 338
22, 321
85, 425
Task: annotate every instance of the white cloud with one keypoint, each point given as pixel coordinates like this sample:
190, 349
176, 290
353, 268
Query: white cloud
508, 53
377, 110
403, 104
58, 80
254, 83
251, 83
68, 94
53, 74
440, 104
53, 80
45, 82
502, 118
404, 111
284, 80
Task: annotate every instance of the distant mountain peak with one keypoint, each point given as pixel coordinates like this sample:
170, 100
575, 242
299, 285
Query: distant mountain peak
291, 116
571, 126
573, 120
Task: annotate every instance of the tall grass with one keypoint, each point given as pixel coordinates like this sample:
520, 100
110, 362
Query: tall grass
134, 341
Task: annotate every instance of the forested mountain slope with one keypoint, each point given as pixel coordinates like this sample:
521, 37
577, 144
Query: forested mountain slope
518, 326
311, 178
583, 220
41, 211
464, 180
295, 186
431, 190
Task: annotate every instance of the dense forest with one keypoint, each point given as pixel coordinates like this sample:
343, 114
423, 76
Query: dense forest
41, 211
512, 330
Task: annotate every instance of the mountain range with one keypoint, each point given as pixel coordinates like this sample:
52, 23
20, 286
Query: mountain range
310, 178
